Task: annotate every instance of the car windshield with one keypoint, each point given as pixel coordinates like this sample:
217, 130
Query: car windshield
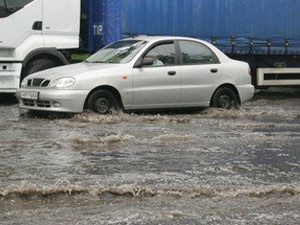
118, 52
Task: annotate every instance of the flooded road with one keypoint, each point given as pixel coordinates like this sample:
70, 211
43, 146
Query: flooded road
209, 166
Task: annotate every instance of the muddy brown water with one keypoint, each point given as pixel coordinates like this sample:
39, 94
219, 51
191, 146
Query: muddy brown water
209, 166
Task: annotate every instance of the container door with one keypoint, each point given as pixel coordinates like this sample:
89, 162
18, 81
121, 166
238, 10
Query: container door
92, 25
61, 21
100, 23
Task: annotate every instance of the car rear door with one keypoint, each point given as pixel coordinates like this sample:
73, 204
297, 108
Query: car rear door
200, 73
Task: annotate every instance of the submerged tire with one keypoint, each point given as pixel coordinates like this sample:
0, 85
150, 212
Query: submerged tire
103, 102
225, 98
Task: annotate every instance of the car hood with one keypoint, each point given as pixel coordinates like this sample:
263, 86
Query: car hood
73, 70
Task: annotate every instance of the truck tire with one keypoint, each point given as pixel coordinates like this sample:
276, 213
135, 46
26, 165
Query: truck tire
38, 65
103, 102
225, 98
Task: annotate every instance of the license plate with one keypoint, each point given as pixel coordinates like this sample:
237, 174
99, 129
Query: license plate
30, 95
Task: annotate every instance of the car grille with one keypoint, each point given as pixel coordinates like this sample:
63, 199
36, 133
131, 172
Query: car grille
38, 82
34, 103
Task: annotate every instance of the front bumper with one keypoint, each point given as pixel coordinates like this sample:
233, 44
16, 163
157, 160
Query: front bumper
54, 100
9, 76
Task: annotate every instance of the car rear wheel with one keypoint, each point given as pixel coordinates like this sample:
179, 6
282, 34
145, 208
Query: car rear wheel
103, 102
225, 98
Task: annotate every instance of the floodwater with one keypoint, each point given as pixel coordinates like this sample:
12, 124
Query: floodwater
209, 166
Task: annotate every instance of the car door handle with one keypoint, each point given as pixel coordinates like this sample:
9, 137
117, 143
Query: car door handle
214, 70
172, 73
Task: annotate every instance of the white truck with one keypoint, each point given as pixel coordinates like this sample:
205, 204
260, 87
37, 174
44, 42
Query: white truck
35, 35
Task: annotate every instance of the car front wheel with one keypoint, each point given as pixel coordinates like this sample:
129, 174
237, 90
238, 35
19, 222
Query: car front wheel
103, 102
225, 98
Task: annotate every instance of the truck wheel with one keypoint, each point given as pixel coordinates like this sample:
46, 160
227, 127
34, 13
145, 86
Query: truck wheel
38, 65
225, 98
103, 102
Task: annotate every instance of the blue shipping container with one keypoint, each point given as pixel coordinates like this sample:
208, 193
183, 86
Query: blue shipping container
239, 27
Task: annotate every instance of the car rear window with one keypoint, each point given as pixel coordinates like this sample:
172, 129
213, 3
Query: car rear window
196, 53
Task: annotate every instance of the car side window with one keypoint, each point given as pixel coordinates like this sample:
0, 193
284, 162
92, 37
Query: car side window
162, 54
196, 53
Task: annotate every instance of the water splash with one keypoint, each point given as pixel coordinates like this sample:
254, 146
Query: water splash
124, 117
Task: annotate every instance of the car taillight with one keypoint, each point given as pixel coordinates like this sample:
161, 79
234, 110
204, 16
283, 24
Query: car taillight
249, 71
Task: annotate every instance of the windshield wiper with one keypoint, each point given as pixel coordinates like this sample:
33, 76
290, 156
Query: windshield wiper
86, 61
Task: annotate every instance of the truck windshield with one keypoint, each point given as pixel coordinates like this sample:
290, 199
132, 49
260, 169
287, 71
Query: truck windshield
8, 7
118, 52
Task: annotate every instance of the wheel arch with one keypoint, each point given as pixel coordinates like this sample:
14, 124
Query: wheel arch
227, 85
51, 53
108, 88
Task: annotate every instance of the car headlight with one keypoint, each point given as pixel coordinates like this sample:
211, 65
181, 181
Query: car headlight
62, 82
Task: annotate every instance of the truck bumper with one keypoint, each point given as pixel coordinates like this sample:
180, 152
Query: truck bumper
53, 100
278, 77
9, 76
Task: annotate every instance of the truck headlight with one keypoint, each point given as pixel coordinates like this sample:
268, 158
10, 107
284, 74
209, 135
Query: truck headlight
62, 82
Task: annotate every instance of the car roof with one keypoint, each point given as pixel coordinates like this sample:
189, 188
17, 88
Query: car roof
152, 39
159, 38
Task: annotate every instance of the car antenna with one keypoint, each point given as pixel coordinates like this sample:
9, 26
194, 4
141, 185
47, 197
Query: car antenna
5, 5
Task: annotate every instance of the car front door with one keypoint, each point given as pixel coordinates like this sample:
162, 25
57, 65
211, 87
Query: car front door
157, 85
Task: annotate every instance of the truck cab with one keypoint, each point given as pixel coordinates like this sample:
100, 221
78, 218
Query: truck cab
34, 35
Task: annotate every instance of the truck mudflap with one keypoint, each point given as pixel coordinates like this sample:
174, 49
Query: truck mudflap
278, 76
9, 76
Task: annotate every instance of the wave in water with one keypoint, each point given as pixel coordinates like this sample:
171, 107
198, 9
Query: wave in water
26, 189
108, 139
126, 138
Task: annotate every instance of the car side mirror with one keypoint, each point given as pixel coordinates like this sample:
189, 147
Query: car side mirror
147, 62
144, 62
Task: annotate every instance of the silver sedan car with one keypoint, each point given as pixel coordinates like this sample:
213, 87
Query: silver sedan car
141, 73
